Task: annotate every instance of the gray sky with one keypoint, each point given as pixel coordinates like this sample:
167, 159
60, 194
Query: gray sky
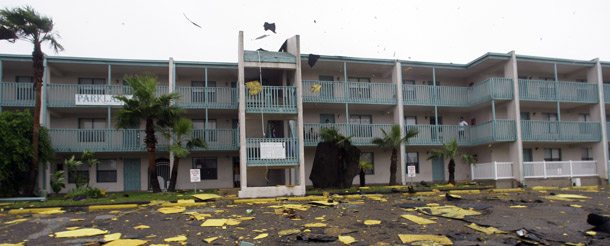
435, 31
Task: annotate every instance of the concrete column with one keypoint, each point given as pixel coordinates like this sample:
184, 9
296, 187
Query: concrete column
243, 172
399, 120
43, 105
294, 47
598, 114
515, 149
171, 87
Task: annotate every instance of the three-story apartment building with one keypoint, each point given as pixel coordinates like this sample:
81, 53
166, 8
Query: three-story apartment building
529, 120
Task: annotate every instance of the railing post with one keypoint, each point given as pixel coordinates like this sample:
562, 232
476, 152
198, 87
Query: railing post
472, 171
544, 168
495, 170
571, 173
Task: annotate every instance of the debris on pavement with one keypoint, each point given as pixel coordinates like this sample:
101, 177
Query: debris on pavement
85, 232
418, 220
288, 232
171, 210
261, 236
411, 238
372, 222
127, 242
140, 227
210, 239
487, 230
447, 211
347, 239
112, 237
601, 223
315, 225
180, 238
214, 222
15, 221
317, 239
205, 197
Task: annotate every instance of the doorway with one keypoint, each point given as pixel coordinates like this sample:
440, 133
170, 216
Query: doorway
131, 174
438, 169
275, 129
434, 130
236, 172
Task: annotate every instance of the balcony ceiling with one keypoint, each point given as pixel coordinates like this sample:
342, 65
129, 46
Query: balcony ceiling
22, 68
199, 73
547, 69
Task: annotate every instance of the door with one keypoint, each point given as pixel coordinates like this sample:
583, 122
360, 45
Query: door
235, 125
583, 127
438, 169
131, 174
236, 175
436, 130
552, 126
528, 170
275, 129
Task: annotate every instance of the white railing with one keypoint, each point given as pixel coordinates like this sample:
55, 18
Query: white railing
552, 169
494, 170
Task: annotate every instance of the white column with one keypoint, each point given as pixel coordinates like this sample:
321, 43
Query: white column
598, 114
514, 112
399, 120
171, 86
243, 172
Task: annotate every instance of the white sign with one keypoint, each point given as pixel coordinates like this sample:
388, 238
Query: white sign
411, 171
98, 100
195, 175
273, 150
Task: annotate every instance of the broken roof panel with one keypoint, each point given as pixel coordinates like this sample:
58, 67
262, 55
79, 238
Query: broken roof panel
269, 56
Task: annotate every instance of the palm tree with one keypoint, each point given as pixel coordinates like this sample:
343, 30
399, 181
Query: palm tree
332, 136
181, 128
393, 140
25, 23
156, 111
450, 151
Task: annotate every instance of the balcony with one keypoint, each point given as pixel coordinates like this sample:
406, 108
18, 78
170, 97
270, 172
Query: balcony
64, 95
349, 92
560, 131
453, 96
606, 93
17, 94
541, 90
492, 171
272, 99
362, 134
286, 153
488, 132
559, 169
127, 140
218, 139
207, 97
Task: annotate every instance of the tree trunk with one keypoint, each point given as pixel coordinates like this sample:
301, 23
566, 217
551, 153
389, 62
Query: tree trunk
38, 59
174, 177
451, 168
362, 178
393, 167
151, 143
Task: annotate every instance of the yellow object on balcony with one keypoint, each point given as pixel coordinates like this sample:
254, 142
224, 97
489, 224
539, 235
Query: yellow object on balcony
254, 87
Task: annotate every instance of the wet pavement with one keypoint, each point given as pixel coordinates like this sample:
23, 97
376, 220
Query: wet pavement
533, 216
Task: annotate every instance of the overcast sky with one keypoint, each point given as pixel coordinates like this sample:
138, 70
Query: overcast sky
435, 31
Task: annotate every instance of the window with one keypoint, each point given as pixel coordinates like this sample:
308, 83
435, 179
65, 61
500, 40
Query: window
106, 171
25, 91
80, 171
91, 132
361, 125
368, 156
197, 95
410, 120
208, 167
199, 130
92, 86
413, 160
552, 154
586, 154
359, 90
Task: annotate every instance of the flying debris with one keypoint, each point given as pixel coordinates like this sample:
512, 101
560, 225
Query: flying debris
191, 21
261, 37
312, 59
269, 26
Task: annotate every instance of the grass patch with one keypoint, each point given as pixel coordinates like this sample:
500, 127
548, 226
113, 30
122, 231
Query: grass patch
110, 198
382, 188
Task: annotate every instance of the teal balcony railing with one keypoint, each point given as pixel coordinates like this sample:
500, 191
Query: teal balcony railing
207, 97
17, 94
453, 96
488, 132
132, 140
272, 99
541, 90
349, 92
218, 139
362, 134
560, 131
606, 93
608, 131
64, 95
289, 146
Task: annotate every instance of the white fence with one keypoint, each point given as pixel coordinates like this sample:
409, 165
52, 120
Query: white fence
552, 169
494, 170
